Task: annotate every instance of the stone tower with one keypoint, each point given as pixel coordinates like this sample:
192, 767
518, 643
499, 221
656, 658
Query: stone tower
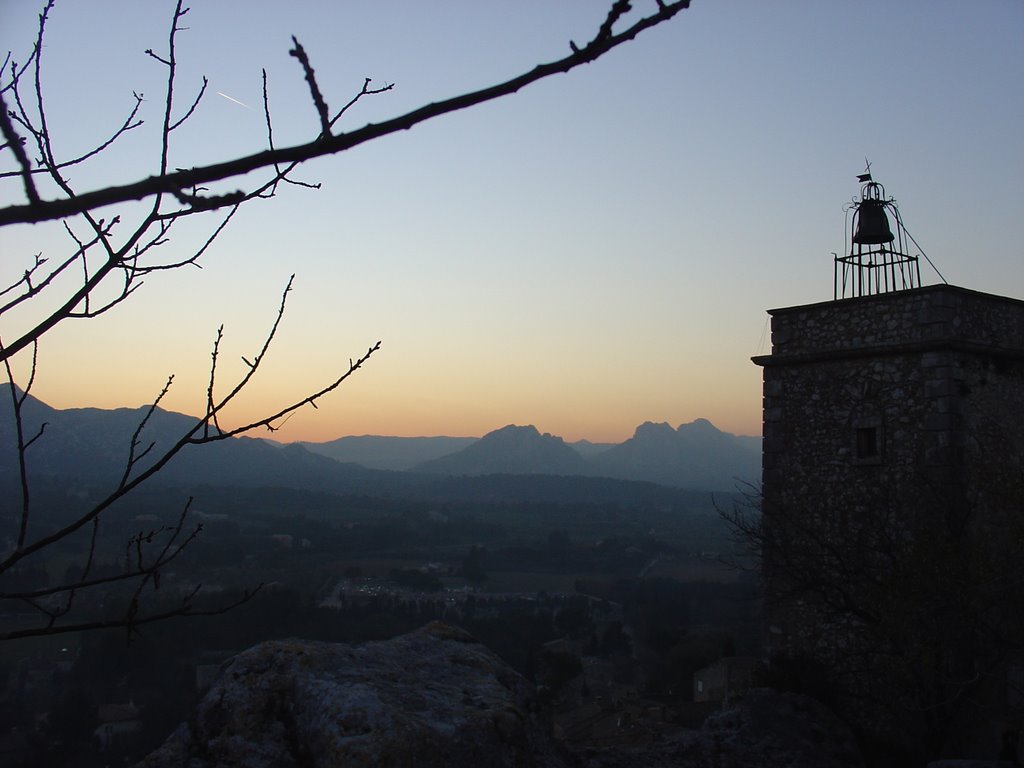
893, 459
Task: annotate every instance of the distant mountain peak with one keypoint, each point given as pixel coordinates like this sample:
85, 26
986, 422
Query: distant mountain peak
512, 449
514, 429
701, 425
653, 428
696, 455
515, 434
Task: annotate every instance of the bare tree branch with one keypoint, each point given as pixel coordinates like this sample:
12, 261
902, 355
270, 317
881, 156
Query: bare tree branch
17, 146
129, 124
205, 430
188, 113
319, 147
17, 401
199, 434
184, 609
314, 90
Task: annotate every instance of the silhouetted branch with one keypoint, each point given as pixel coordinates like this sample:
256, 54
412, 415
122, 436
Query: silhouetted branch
42, 134
129, 124
184, 609
366, 90
319, 147
140, 567
187, 186
17, 145
21, 444
314, 90
199, 434
188, 113
211, 412
133, 457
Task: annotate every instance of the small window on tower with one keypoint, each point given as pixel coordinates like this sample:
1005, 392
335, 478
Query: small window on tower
867, 441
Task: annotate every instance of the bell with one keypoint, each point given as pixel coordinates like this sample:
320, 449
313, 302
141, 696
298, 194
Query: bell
872, 224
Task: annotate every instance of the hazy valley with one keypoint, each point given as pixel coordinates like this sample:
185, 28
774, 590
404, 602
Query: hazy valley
518, 537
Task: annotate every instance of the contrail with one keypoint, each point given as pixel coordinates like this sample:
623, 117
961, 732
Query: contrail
242, 103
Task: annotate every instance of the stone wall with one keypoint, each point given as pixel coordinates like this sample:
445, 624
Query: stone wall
929, 374
944, 314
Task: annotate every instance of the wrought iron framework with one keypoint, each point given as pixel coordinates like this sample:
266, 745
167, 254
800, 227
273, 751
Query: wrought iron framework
878, 260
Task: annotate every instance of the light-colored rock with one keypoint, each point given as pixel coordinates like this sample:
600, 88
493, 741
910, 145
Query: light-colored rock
434, 697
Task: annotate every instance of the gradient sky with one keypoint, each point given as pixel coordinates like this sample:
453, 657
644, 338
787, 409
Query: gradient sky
596, 251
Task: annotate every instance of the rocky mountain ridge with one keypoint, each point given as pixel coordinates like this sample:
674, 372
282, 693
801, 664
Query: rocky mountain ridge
695, 455
511, 450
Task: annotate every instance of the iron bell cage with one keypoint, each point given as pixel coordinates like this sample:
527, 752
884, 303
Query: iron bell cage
878, 259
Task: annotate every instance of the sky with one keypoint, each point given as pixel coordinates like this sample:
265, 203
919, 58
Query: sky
596, 251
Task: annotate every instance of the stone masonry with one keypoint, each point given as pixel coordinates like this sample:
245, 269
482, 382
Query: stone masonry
919, 367
910, 402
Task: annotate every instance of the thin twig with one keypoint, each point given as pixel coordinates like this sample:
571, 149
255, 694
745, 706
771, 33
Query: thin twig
211, 413
133, 445
314, 90
186, 608
195, 104
21, 445
17, 145
129, 124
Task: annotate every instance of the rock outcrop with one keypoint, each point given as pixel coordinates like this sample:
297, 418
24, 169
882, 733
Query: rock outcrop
434, 697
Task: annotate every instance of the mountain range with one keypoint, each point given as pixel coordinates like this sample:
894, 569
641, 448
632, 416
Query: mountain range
694, 455
91, 445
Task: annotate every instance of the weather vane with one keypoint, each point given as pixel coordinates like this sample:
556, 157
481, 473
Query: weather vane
866, 176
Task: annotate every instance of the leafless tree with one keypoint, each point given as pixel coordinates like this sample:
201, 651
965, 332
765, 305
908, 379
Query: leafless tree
901, 609
112, 251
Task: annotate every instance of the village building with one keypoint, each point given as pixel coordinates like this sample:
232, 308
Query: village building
725, 676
